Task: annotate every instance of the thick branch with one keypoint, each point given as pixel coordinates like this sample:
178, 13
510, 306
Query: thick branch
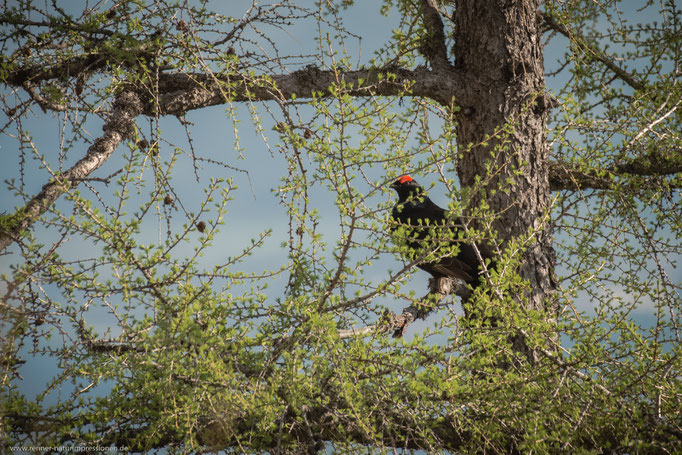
69, 67
184, 92
433, 45
566, 177
119, 127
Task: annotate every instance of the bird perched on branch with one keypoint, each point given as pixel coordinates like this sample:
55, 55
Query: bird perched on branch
431, 234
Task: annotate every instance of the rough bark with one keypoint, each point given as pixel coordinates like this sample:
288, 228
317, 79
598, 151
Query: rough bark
180, 93
498, 49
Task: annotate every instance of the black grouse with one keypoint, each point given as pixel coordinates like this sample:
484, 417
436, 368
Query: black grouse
429, 229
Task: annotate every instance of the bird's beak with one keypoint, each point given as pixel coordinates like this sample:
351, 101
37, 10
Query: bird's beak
393, 186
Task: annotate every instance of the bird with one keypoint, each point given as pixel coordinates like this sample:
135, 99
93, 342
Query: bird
429, 228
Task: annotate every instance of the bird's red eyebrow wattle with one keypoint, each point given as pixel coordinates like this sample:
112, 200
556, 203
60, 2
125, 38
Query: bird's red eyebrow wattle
405, 178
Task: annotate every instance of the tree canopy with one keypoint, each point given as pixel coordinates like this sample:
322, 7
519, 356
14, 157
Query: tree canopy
195, 243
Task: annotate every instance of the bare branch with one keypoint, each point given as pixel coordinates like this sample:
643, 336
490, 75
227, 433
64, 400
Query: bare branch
185, 92
361, 332
118, 128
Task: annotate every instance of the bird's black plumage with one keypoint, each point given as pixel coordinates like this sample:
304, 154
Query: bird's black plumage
428, 228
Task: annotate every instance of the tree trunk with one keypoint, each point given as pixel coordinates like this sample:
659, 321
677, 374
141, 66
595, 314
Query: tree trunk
499, 55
